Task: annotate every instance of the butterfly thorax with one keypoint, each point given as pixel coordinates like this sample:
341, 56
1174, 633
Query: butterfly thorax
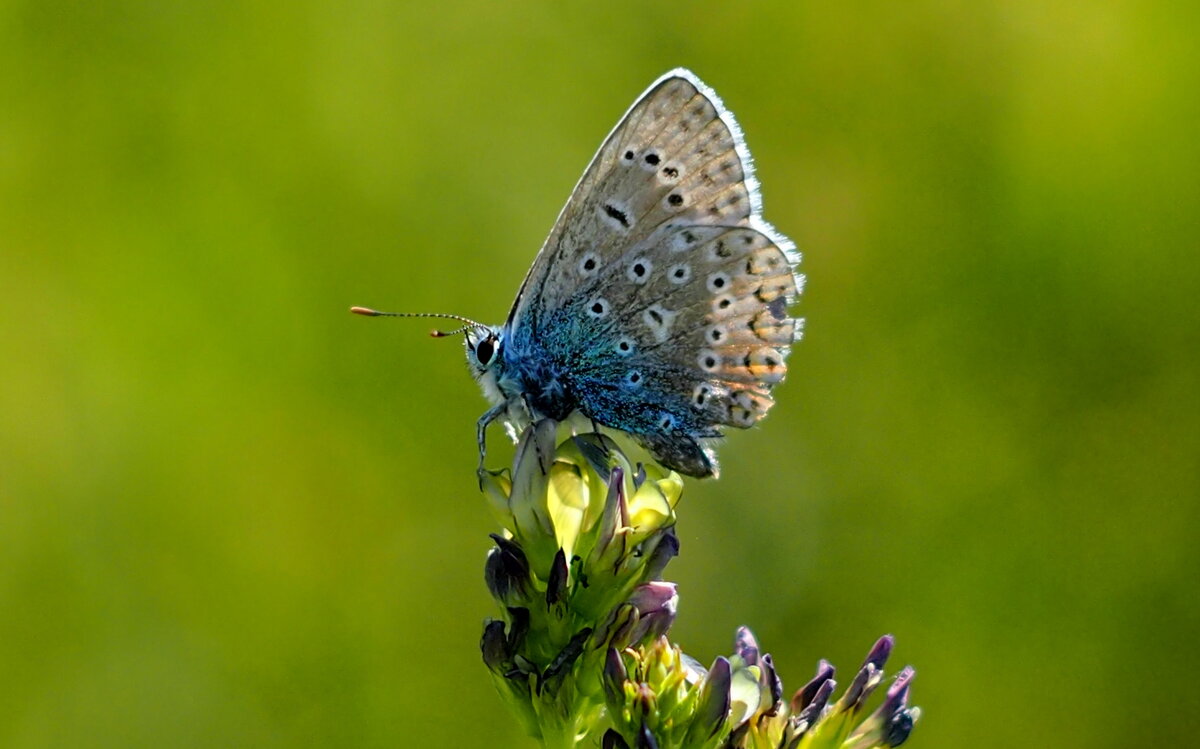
518, 374
534, 377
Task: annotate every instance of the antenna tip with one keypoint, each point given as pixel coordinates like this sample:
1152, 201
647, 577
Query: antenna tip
435, 333
365, 311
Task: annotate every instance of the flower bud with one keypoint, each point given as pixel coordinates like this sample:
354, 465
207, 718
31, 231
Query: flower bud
615, 676
712, 707
656, 603
494, 645
805, 695
665, 547
506, 572
746, 646
556, 584
613, 740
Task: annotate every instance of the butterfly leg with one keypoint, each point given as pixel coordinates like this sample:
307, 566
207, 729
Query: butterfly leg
544, 460
481, 426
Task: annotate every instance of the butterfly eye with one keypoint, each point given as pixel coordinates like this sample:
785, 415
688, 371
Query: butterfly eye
484, 350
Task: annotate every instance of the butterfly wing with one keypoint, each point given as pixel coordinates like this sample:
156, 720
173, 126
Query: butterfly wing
699, 344
660, 289
676, 135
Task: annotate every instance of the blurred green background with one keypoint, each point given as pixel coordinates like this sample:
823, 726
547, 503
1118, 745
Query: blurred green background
232, 514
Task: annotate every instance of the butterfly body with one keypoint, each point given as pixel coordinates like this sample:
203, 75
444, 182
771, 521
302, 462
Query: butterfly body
659, 303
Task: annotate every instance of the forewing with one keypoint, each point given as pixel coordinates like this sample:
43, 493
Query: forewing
676, 157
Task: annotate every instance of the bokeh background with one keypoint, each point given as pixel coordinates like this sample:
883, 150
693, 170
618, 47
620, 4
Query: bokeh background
232, 514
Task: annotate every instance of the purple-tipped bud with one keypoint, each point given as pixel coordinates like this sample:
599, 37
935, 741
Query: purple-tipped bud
880, 652
613, 740
869, 676
812, 711
746, 646
860, 688
898, 728
615, 676
666, 549
712, 708
506, 572
494, 645
645, 701
773, 683
804, 696
897, 693
645, 739
556, 585
893, 717
656, 603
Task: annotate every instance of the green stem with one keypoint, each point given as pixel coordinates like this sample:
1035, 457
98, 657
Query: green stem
556, 735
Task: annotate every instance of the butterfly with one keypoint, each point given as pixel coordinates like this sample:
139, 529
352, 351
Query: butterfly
659, 304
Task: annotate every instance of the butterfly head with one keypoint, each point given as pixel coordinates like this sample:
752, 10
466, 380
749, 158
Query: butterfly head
483, 345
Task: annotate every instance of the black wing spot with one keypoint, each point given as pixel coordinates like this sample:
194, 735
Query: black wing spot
655, 315
616, 214
629, 155
778, 308
589, 264
722, 250
689, 237
748, 239
675, 199
671, 172
652, 159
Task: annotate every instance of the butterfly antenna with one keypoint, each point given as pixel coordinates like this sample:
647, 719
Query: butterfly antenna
367, 311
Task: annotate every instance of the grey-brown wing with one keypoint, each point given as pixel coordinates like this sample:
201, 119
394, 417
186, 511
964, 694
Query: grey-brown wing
675, 159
